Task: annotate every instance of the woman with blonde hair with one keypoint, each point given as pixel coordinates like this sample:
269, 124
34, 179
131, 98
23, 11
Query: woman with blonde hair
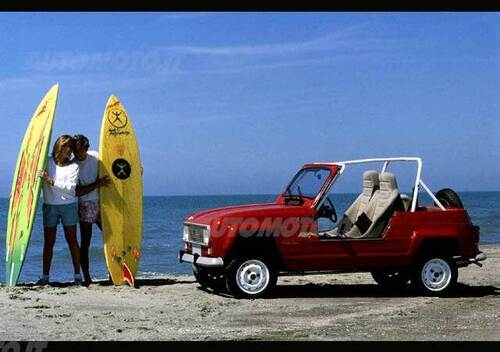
60, 204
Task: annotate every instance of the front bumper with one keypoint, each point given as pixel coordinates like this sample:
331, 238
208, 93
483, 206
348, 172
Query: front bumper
197, 259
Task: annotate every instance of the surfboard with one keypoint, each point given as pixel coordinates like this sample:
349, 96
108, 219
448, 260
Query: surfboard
26, 186
121, 201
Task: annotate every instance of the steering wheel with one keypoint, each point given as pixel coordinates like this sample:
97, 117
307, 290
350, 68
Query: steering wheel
333, 217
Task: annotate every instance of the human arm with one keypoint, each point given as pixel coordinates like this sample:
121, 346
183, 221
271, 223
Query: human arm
100, 182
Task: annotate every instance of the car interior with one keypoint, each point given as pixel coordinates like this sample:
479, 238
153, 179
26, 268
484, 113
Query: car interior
370, 213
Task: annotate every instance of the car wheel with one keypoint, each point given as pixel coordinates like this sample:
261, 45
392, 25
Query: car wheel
436, 275
393, 279
449, 198
251, 277
201, 275
207, 279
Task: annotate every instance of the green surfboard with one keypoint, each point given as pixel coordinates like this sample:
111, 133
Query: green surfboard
26, 185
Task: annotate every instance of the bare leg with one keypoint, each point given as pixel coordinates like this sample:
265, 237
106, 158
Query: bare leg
86, 235
49, 234
70, 234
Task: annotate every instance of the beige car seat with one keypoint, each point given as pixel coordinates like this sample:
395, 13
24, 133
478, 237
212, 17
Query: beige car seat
374, 219
370, 187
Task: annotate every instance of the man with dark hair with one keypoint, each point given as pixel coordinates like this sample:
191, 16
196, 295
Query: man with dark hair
88, 202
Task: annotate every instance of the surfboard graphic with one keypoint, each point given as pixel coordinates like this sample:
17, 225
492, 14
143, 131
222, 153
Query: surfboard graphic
127, 275
26, 185
121, 201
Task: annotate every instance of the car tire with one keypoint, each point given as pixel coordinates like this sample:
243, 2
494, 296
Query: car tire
435, 275
391, 279
449, 198
251, 277
201, 275
208, 279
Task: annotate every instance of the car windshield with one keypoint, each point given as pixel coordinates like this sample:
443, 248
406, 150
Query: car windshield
307, 183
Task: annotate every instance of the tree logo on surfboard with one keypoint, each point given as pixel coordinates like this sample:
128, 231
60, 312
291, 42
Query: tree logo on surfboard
121, 169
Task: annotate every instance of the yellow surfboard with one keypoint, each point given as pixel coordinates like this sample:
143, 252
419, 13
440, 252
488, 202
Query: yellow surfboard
121, 201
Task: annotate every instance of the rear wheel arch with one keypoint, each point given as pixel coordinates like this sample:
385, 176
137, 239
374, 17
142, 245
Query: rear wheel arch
434, 256
434, 246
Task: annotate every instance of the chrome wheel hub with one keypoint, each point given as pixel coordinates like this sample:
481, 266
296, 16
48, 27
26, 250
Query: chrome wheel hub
252, 276
436, 274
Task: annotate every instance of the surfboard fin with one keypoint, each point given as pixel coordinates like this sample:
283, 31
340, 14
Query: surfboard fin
127, 275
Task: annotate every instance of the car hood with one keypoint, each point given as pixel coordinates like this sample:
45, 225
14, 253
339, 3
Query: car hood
252, 210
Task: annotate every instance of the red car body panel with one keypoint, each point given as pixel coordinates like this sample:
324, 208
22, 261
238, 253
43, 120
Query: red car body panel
302, 249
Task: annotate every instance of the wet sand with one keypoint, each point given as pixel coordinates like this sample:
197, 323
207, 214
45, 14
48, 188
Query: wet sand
316, 307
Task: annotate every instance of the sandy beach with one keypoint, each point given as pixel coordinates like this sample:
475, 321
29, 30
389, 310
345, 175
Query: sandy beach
315, 307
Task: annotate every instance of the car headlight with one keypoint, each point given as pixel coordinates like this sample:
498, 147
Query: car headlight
196, 234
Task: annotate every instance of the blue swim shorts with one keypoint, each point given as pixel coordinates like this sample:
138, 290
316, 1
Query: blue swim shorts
66, 213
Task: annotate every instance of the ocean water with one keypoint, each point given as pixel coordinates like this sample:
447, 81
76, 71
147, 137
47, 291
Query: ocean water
162, 232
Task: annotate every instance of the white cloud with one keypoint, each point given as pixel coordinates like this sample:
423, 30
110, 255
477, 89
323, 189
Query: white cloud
340, 39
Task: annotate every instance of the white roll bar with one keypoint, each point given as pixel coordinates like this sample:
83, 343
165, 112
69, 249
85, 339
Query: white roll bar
386, 161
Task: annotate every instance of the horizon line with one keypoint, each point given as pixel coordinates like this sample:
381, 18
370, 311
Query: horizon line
261, 194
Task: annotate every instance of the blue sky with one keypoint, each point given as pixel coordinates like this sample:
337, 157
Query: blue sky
232, 103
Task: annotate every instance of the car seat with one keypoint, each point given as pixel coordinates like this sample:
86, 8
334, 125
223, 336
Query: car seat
372, 222
370, 187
